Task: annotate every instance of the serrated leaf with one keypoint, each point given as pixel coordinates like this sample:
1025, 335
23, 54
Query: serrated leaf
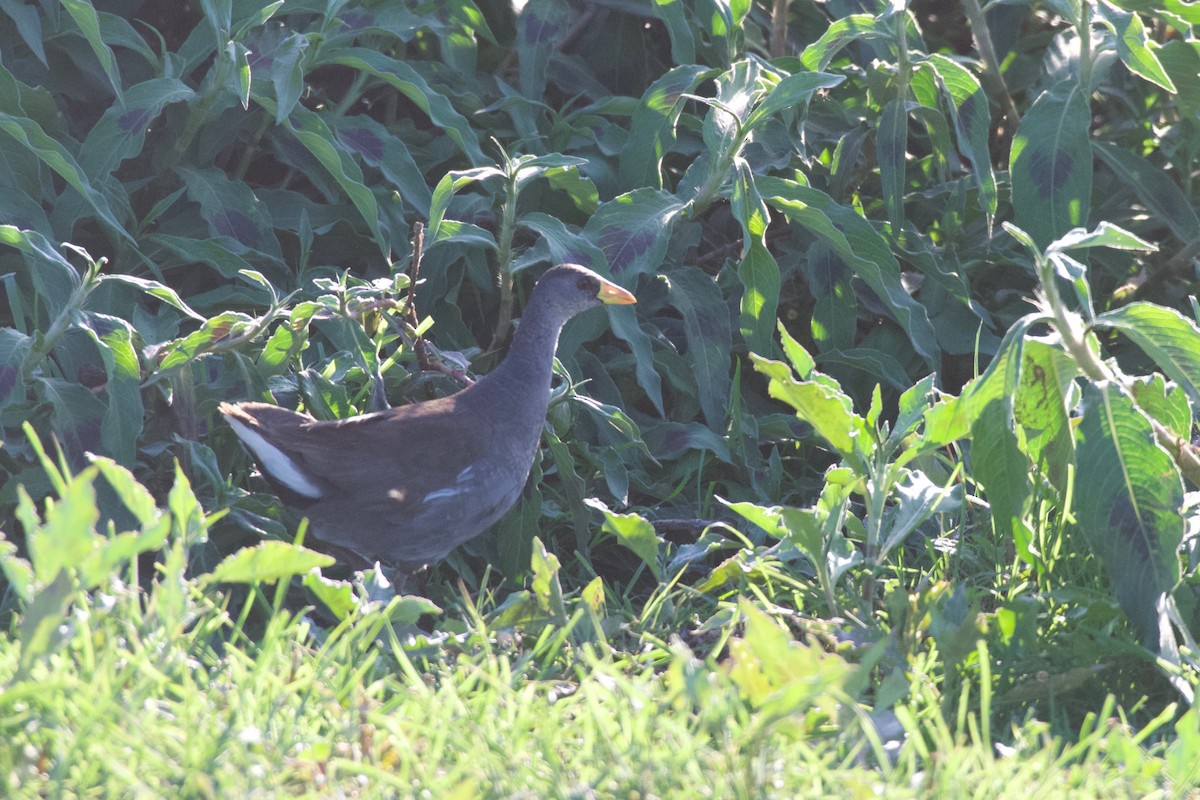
828, 410
267, 562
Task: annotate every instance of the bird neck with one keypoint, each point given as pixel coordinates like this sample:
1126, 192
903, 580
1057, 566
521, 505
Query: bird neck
528, 367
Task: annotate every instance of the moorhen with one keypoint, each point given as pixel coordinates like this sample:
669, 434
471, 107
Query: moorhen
407, 485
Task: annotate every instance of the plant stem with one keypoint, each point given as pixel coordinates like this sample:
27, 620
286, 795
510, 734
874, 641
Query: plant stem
504, 261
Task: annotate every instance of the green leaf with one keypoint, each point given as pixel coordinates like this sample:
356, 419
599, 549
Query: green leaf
1051, 164
1105, 235
311, 131
1000, 466
891, 145
1161, 196
821, 405
267, 561
679, 28
14, 349
1041, 406
841, 32
633, 229
121, 132
51, 153
1128, 504
406, 80
972, 125
85, 16
861, 247
790, 92
758, 271
652, 127
1134, 48
1169, 338
709, 339
123, 418
634, 532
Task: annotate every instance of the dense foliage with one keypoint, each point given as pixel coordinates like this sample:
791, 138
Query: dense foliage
913, 367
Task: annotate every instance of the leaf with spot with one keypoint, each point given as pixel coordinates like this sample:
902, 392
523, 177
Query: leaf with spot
1128, 504
633, 229
709, 339
232, 211
121, 132
1051, 164
1002, 468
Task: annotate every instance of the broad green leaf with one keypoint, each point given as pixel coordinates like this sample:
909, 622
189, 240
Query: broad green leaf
634, 532
652, 127
1181, 60
917, 498
791, 91
76, 416
1105, 235
566, 246
287, 74
709, 339
861, 247
1165, 402
758, 271
633, 229
670, 440
1161, 196
891, 144
29, 26
1040, 407
132, 494
267, 561
66, 534
541, 26
1169, 338
1000, 466
1051, 164
827, 409
123, 418
85, 16
310, 129
406, 80
51, 153
673, 14
14, 349
820, 54
1134, 48
625, 326
972, 125
121, 132
1128, 504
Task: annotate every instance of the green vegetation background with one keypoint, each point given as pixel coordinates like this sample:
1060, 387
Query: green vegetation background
908, 395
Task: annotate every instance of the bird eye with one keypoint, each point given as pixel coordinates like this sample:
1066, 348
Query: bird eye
583, 284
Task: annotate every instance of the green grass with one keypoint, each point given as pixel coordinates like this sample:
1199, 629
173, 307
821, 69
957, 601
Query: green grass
131, 707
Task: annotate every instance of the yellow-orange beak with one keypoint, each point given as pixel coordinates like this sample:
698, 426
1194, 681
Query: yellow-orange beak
613, 295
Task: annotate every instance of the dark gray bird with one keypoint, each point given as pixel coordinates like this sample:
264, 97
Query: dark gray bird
408, 485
